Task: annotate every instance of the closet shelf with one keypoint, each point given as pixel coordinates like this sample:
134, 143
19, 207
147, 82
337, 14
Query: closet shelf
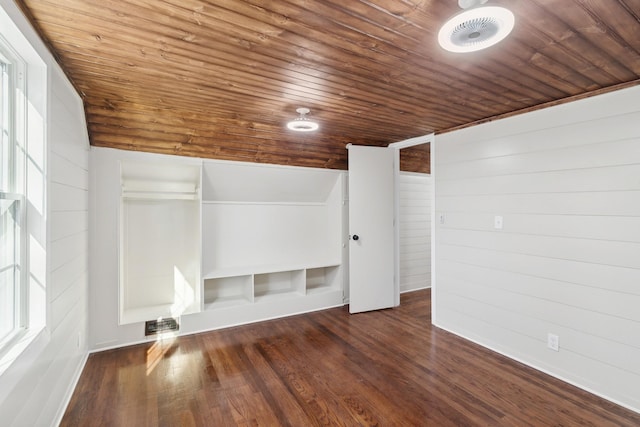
161, 189
158, 195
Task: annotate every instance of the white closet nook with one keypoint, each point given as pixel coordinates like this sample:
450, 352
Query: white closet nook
213, 242
159, 241
269, 233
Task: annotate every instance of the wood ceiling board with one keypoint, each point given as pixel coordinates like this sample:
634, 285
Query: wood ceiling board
221, 78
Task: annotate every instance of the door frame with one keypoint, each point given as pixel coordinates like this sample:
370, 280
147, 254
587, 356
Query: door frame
397, 146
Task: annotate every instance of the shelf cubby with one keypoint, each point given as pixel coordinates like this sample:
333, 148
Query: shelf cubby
267, 285
228, 291
322, 279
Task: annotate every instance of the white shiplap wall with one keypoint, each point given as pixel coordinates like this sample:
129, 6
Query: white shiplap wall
415, 231
39, 384
567, 182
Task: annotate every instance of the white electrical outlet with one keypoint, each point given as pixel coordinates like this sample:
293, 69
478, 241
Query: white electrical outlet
441, 218
497, 222
553, 342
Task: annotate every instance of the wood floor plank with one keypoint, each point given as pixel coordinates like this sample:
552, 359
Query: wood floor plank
383, 368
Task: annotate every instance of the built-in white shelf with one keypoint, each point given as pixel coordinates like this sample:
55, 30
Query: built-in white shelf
323, 279
227, 243
282, 282
271, 239
233, 287
228, 291
263, 269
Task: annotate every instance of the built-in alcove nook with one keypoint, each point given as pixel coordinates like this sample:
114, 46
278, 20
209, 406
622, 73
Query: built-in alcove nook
270, 233
159, 241
215, 243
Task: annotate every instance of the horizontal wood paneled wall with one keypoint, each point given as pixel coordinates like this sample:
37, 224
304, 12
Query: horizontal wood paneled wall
46, 373
69, 248
415, 231
567, 260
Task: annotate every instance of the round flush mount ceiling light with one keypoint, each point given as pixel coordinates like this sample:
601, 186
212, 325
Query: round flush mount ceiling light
475, 28
302, 123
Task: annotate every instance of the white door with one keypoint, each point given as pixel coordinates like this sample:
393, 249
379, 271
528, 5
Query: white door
371, 227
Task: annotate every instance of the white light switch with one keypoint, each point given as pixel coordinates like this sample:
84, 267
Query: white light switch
441, 218
497, 222
553, 342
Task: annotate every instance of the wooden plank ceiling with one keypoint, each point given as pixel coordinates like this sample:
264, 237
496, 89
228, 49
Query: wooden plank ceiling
220, 78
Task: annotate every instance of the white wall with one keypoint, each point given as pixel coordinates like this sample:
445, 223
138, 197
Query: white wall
37, 386
415, 231
567, 182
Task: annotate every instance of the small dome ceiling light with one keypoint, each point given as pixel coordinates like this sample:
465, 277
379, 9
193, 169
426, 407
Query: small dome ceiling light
476, 28
302, 123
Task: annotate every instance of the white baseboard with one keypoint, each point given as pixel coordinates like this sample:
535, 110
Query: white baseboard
543, 370
412, 289
69, 393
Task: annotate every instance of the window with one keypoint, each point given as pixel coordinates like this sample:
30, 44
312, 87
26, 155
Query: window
12, 198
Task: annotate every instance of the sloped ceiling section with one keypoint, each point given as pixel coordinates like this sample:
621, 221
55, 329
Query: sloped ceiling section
220, 78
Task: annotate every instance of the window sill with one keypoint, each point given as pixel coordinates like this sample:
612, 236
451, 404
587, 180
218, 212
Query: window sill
22, 354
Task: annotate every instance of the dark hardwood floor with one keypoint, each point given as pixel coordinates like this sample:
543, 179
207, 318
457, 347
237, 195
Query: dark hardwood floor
384, 368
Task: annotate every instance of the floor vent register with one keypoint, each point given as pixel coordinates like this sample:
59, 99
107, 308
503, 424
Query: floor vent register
154, 327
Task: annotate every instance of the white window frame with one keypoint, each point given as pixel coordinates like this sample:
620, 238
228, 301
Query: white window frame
12, 186
25, 351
